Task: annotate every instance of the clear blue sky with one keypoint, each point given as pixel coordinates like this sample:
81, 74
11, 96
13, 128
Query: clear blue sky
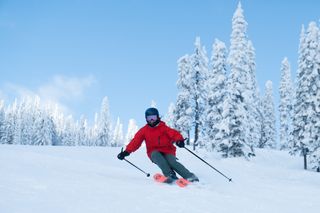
76, 52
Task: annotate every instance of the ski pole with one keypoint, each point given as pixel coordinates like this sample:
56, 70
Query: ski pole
230, 180
137, 167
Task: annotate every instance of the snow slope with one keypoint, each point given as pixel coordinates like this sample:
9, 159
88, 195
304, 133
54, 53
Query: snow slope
91, 179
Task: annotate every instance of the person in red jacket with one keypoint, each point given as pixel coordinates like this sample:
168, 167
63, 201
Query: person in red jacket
159, 140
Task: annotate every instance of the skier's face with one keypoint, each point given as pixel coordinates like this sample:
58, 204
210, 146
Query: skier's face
152, 119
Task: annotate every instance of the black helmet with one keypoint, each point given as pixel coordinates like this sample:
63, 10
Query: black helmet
152, 111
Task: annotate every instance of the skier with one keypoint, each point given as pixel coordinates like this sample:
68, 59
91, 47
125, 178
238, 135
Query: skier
159, 139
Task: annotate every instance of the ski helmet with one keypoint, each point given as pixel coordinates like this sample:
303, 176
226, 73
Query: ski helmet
152, 111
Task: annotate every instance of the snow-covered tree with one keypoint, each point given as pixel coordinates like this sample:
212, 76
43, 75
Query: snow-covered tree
68, 136
43, 127
18, 123
217, 92
45, 132
153, 104
286, 104
13, 125
132, 129
306, 130
58, 118
93, 132
183, 112
118, 139
199, 74
3, 138
104, 133
269, 119
253, 100
239, 143
82, 132
169, 118
222, 142
25, 118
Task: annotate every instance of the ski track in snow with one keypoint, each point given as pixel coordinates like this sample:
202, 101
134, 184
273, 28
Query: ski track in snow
91, 179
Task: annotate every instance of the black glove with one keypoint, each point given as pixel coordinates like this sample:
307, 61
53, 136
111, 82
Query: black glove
123, 154
180, 143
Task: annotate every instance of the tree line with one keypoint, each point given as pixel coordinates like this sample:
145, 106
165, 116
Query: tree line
28, 122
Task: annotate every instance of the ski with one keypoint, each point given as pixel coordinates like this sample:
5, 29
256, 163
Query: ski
159, 178
163, 179
182, 182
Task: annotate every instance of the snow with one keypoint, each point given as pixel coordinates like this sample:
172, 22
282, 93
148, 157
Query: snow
91, 179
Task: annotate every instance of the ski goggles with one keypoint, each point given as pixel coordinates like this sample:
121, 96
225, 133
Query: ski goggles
152, 117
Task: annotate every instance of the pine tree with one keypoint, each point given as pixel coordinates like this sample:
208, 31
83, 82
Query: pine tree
48, 110
43, 127
217, 92
153, 104
14, 123
82, 132
26, 119
10, 123
3, 138
306, 130
239, 142
253, 100
169, 117
269, 119
183, 112
223, 144
67, 136
117, 139
18, 123
58, 119
104, 124
45, 130
132, 129
93, 133
199, 74
286, 104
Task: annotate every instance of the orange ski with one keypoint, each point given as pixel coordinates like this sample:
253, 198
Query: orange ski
159, 178
163, 179
182, 182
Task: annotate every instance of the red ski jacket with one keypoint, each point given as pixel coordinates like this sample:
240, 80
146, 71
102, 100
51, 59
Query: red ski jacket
159, 138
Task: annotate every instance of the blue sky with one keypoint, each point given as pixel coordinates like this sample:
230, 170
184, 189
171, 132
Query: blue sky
75, 52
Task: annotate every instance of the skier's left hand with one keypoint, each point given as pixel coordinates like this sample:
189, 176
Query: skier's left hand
180, 143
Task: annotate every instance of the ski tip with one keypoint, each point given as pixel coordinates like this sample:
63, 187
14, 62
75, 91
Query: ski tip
182, 182
159, 177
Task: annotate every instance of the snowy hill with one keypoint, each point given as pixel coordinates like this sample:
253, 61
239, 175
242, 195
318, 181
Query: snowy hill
47, 179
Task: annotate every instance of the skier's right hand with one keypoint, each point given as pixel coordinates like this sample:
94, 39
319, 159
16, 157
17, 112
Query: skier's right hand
180, 143
123, 154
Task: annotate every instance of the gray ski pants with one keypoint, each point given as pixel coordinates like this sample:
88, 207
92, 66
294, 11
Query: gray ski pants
168, 163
